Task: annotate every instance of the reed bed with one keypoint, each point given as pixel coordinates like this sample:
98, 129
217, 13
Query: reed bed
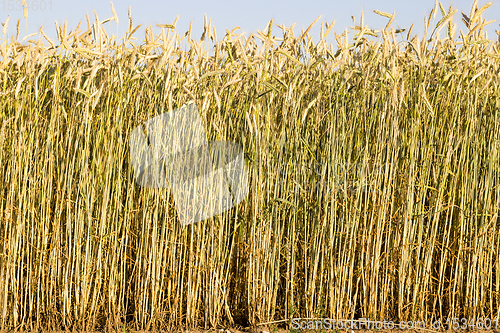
373, 164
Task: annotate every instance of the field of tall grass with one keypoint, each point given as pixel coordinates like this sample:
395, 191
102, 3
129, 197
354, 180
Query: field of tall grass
373, 165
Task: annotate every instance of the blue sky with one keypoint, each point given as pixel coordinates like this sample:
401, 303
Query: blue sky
248, 15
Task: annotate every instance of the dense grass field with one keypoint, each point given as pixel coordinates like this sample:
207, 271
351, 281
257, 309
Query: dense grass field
373, 164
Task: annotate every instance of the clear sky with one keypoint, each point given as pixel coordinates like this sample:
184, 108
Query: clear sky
248, 15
